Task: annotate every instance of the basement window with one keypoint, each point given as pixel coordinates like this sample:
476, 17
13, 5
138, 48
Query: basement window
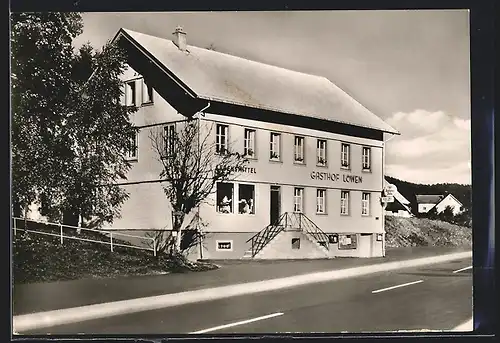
224, 245
295, 243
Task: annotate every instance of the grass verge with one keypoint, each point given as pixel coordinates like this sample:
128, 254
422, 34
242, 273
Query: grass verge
42, 258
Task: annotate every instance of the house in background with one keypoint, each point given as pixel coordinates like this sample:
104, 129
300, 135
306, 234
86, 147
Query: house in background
401, 207
425, 203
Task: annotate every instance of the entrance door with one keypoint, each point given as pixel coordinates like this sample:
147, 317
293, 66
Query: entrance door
365, 244
275, 208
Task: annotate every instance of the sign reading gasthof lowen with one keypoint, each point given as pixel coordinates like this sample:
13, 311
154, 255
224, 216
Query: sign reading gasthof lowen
334, 177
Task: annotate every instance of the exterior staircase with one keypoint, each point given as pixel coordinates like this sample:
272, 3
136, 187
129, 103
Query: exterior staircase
288, 221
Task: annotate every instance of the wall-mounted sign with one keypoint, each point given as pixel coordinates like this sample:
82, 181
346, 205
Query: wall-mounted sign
379, 237
347, 242
390, 190
387, 199
346, 178
249, 170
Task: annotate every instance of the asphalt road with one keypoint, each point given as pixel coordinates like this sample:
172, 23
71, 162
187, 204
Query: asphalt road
431, 297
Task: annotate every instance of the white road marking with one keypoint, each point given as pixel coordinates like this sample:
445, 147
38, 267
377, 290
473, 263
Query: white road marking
398, 286
272, 315
461, 270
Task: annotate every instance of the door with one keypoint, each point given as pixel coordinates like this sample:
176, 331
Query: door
275, 208
365, 244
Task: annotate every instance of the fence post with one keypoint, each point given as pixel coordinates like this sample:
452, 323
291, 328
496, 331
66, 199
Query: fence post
111, 237
154, 246
61, 226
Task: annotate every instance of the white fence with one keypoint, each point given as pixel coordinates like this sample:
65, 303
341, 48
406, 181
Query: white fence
60, 227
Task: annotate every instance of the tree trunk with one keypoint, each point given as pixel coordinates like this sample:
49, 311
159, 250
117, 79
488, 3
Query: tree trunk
178, 220
16, 209
71, 218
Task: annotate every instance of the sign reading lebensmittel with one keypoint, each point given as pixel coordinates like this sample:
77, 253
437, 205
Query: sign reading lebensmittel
336, 177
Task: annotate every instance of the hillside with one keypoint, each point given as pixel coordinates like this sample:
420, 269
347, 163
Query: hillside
41, 258
411, 232
462, 192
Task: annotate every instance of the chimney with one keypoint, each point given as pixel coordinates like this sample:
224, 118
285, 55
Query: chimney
180, 38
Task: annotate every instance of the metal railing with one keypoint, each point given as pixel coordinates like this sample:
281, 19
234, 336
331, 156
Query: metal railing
49, 229
288, 220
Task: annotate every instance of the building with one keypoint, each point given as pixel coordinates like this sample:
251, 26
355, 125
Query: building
426, 203
401, 207
315, 176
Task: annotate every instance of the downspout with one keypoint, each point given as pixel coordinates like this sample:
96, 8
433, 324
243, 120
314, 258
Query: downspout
384, 206
201, 112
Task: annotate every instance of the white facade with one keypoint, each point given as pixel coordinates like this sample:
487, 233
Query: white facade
307, 171
451, 201
425, 207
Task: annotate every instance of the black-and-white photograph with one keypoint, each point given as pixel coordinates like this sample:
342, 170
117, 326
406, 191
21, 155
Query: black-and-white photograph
241, 172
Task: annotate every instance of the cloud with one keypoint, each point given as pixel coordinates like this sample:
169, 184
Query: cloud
434, 147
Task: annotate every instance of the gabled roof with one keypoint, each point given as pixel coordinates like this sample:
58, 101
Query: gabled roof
215, 76
428, 199
448, 196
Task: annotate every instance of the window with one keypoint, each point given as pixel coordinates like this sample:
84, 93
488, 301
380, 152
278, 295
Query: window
221, 138
344, 155
333, 239
298, 200
224, 245
344, 202
130, 93
299, 149
169, 133
224, 197
366, 158
131, 149
295, 243
321, 201
246, 199
274, 151
321, 152
147, 93
249, 143
365, 204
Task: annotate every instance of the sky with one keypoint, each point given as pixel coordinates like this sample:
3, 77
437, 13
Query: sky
411, 68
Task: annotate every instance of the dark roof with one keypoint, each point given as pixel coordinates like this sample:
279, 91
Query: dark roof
215, 76
428, 199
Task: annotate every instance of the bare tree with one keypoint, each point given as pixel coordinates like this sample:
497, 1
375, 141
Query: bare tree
193, 163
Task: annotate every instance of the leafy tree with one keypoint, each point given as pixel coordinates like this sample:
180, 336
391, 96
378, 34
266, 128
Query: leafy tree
447, 214
192, 167
69, 128
41, 55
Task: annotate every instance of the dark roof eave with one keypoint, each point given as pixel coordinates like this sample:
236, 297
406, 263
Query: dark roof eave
227, 102
123, 33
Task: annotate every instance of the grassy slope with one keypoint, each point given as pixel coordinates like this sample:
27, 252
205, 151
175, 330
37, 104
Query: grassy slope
38, 258
407, 232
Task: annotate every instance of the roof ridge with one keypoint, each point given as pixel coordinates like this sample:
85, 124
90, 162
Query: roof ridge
234, 56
